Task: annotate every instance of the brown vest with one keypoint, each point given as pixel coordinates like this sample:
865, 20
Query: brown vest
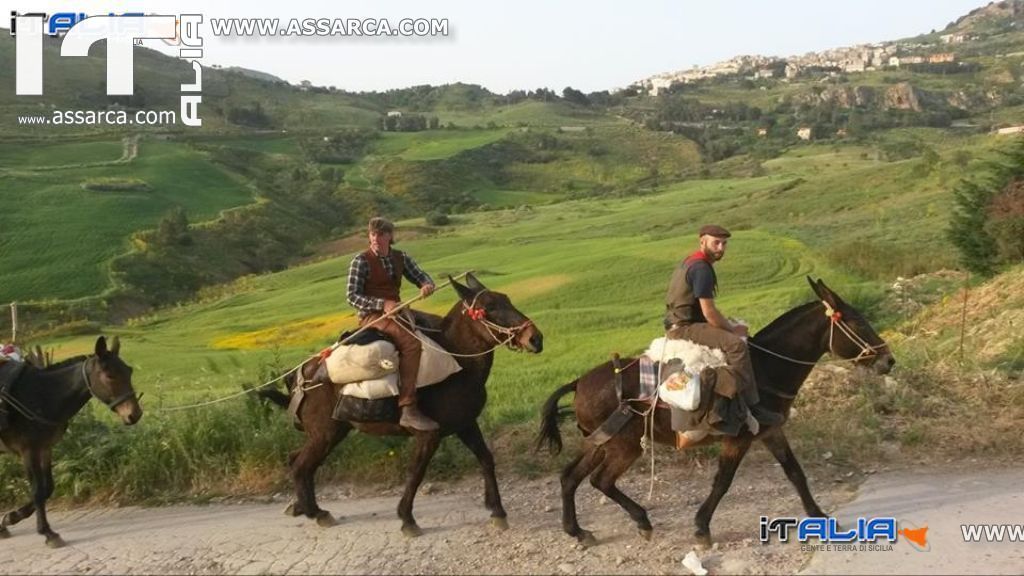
681, 305
379, 284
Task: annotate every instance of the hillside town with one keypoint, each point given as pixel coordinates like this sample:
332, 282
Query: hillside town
850, 59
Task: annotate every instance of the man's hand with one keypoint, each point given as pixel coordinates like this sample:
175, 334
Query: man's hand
389, 306
427, 290
741, 330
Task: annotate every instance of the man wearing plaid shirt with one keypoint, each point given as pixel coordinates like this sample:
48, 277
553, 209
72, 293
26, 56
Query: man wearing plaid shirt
374, 288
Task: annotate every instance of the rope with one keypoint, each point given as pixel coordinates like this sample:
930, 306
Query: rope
237, 394
835, 320
334, 346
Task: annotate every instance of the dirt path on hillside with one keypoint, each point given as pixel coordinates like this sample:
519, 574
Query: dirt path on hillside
256, 538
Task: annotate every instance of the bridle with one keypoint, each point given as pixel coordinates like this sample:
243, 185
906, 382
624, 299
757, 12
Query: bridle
113, 404
480, 315
835, 321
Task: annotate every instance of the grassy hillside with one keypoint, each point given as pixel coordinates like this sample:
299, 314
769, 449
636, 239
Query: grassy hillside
591, 273
59, 236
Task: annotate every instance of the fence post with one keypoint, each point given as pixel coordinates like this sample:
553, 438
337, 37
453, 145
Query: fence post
14, 322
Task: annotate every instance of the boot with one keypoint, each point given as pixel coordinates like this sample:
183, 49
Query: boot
766, 417
413, 418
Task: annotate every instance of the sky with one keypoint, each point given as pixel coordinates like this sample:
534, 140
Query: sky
525, 44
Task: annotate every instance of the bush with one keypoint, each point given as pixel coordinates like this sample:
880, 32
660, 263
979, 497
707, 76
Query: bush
437, 218
116, 185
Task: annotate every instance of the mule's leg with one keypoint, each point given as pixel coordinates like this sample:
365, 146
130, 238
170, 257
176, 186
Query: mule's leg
778, 445
426, 445
572, 475
619, 456
733, 451
15, 516
474, 440
41, 476
304, 464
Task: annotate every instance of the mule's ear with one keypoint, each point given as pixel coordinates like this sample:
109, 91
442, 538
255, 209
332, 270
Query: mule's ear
115, 345
101, 346
829, 295
463, 292
473, 283
825, 294
814, 286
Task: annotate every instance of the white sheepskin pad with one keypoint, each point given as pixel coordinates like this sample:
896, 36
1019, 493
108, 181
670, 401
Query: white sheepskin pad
695, 356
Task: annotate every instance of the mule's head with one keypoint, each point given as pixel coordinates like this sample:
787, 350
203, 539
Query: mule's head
851, 336
495, 319
109, 379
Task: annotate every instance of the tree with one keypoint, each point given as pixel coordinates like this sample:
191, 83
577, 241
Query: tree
173, 229
987, 222
574, 96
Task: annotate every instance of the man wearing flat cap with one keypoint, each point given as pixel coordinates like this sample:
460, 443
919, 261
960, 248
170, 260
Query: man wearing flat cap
691, 314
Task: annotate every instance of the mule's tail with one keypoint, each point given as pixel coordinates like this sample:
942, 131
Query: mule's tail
550, 416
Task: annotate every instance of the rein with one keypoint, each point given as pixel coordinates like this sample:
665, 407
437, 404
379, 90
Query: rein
479, 314
835, 320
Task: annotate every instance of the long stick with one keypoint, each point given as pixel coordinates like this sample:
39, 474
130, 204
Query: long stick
14, 322
963, 315
396, 310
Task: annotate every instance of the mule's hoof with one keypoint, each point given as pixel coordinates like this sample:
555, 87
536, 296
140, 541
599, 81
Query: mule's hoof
55, 541
586, 539
646, 533
499, 523
325, 520
703, 540
412, 530
4, 533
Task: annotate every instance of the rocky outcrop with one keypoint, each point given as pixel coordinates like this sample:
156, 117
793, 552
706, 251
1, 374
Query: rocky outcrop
902, 96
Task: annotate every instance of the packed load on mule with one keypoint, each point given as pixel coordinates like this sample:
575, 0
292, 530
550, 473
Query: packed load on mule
366, 372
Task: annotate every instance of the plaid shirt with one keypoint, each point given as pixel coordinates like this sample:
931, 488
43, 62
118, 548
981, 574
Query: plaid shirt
359, 271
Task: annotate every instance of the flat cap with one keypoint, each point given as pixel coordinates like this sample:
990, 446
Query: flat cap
714, 230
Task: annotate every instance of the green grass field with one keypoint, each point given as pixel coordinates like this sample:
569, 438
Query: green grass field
15, 157
592, 274
528, 113
58, 237
434, 145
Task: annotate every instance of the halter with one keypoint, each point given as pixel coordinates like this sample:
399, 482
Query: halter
836, 320
113, 403
480, 315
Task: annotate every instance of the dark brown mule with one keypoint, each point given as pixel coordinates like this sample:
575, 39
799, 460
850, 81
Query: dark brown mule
454, 403
44, 401
798, 339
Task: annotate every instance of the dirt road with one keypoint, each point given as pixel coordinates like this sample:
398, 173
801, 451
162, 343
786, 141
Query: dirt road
942, 502
256, 538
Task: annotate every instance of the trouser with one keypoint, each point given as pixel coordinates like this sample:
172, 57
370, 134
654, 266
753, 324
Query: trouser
409, 351
738, 374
